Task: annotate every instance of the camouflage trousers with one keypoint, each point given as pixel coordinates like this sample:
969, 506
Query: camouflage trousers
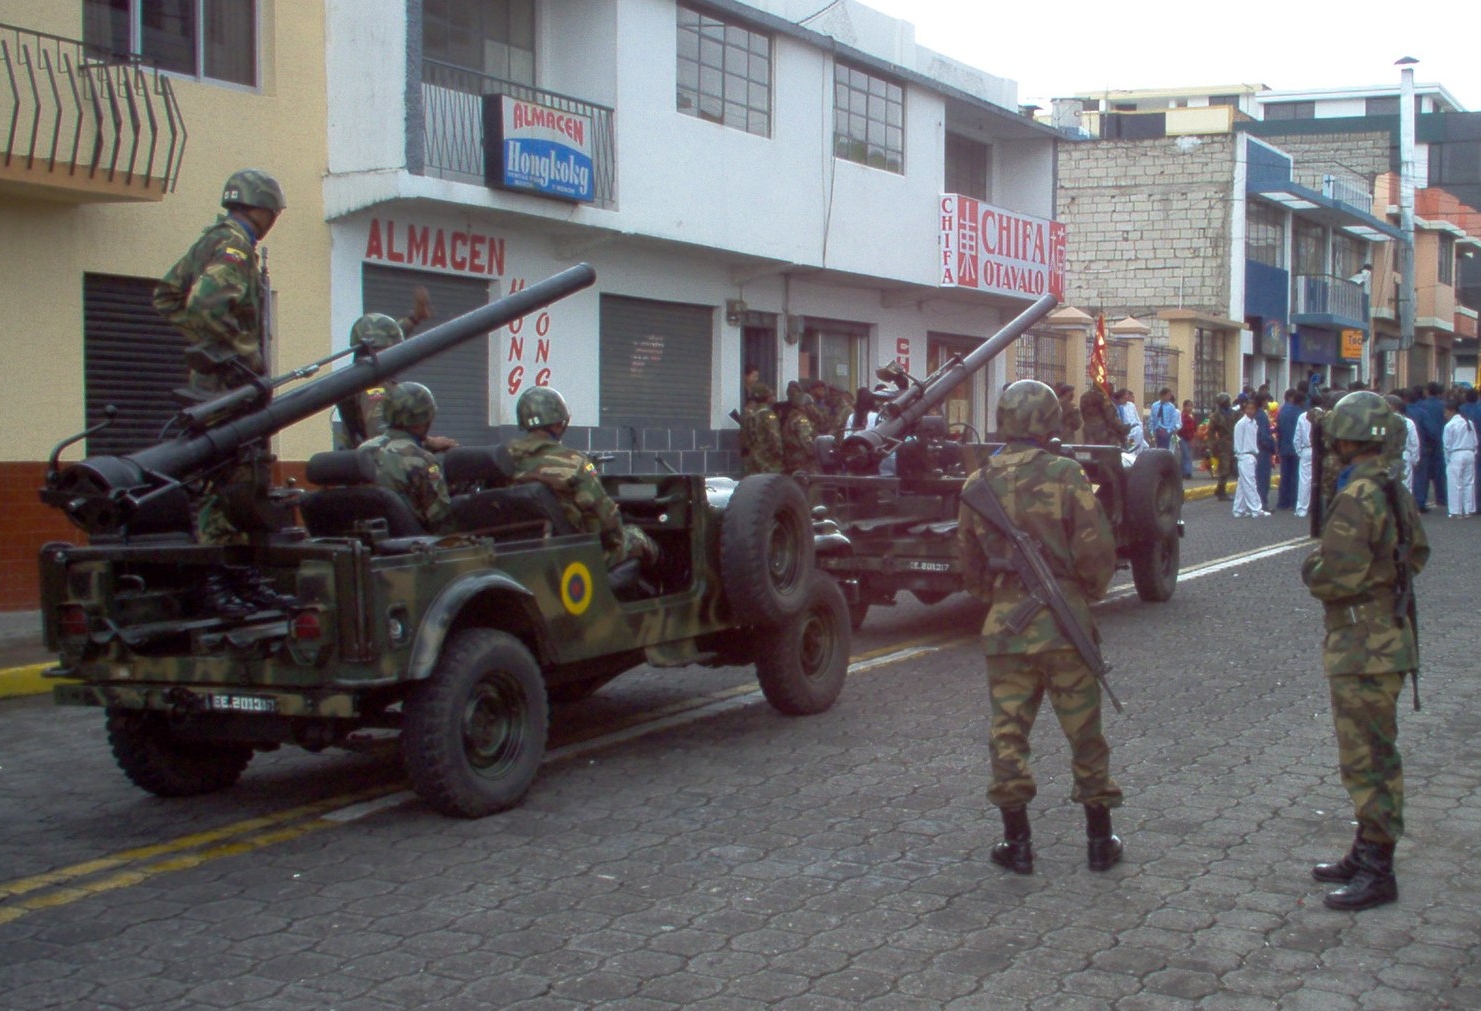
635, 544
1016, 686
1365, 714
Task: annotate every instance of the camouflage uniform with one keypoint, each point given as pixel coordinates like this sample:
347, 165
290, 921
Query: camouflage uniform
1220, 447
1103, 424
405, 467
1069, 414
838, 407
761, 434
538, 456
798, 434
214, 295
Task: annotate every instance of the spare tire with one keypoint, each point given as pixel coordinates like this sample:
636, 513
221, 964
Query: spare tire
1154, 496
766, 550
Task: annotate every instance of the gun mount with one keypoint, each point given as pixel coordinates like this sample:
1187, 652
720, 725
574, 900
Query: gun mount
899, 418
146, 492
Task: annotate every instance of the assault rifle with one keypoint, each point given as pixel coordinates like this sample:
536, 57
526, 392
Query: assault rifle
1027, 562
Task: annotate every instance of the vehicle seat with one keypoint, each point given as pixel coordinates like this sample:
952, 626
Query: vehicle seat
477, 468
350, 496
513, 506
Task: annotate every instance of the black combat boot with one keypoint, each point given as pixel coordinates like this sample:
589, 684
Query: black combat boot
1372, 885
220, 597
1343, 870
1102, 849
258, 592
1015, 852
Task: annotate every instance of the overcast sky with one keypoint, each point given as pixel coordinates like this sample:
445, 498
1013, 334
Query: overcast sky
1056, 48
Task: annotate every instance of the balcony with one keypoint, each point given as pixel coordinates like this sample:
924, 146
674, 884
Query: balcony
1328, 302
85, 126
453, 100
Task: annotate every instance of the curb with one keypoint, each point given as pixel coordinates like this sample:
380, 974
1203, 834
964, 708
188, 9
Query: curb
16, 682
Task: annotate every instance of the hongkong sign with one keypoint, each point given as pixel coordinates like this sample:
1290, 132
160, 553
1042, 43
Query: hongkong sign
538, 149
992, 249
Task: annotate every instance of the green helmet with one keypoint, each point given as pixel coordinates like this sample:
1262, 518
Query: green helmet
1223, 400
1029, 410
761, 391
253, 188
409, 406
539, 407
376, 329
1361, 416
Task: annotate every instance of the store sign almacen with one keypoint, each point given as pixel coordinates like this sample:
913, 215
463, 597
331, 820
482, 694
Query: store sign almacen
992, 249
540, 149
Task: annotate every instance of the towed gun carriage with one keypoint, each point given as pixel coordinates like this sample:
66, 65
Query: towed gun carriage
892, 492
459, 642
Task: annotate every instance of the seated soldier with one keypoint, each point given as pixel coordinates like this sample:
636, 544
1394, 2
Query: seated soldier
402, 461
539, 456
361, 416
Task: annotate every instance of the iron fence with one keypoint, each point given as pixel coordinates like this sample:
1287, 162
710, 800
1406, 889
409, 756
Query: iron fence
453, 138
1159, 370
85, 113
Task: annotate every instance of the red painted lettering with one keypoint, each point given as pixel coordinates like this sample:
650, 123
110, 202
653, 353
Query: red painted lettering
542, 324
392, 253
496, 256
516, 348
439, 251
542, 378
373, 249
542, 349
515, 378
416, 244
475, 254
459, 260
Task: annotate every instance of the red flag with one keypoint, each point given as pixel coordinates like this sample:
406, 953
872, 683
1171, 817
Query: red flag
1099, 373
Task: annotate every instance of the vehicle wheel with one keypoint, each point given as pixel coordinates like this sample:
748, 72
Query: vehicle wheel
856, 614
801, 664
766, 549
1154, 568
156, 760
475, 730
1154, 496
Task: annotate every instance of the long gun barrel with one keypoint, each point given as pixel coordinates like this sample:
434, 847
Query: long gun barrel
899, 416
104, 494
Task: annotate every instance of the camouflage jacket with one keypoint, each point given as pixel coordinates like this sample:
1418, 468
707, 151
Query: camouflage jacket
360, 416
537, 456
1221, 433
214, 295
760, 439
839, 407
1103, 424
797, 442
1069, 418
402, 465
1353, 572
1049, 498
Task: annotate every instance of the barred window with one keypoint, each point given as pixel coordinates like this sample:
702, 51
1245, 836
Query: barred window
1208, 368
1041, 356
868, 119
724, 72
1265, 235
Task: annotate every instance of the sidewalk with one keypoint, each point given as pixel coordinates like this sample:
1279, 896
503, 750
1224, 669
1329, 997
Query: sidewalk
23, 656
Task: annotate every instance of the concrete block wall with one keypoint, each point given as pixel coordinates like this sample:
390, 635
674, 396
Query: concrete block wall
1355, 156
1148, 223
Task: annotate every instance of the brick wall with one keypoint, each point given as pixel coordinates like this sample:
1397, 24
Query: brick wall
1148, 223
29, 524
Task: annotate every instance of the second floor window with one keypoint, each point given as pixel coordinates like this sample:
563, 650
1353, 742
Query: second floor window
1445, 265
724, 72
1309, 248
1265, 235
491, 37
868, 119
211, 39
968, 169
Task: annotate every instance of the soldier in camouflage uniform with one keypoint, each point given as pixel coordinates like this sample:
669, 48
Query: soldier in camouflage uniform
1069, 413
402, 461
1049, 498
1220, 447
798, 433
761, 433
1369, 647
361, 415
1103, 424
833, 407
215, 292
538, 456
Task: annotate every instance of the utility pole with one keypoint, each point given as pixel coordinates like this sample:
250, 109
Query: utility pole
1406, 206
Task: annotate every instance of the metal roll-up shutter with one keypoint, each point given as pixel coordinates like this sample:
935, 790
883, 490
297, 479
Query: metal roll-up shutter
459, 376
655, 363
132, 359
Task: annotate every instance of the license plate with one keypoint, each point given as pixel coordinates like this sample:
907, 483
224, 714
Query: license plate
257, 704
928, 566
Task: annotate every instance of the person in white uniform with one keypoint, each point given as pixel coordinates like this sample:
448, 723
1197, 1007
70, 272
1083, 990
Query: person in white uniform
1246, 452
1303, 463
1460, 462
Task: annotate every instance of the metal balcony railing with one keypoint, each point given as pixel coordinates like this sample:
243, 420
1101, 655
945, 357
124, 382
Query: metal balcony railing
86, 120
1353, 193
1322, 295
452, 116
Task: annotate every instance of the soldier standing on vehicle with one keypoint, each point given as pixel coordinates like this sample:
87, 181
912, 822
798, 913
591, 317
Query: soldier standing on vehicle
1048, 497
216, 292
761, 433
798, 433
1103, 424
361, 416
1220, 449
1372, 544
1069, 412
404, 464
538, 456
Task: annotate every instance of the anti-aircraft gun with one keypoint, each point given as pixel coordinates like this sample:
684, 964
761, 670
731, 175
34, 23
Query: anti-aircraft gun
457, 640
893, 491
